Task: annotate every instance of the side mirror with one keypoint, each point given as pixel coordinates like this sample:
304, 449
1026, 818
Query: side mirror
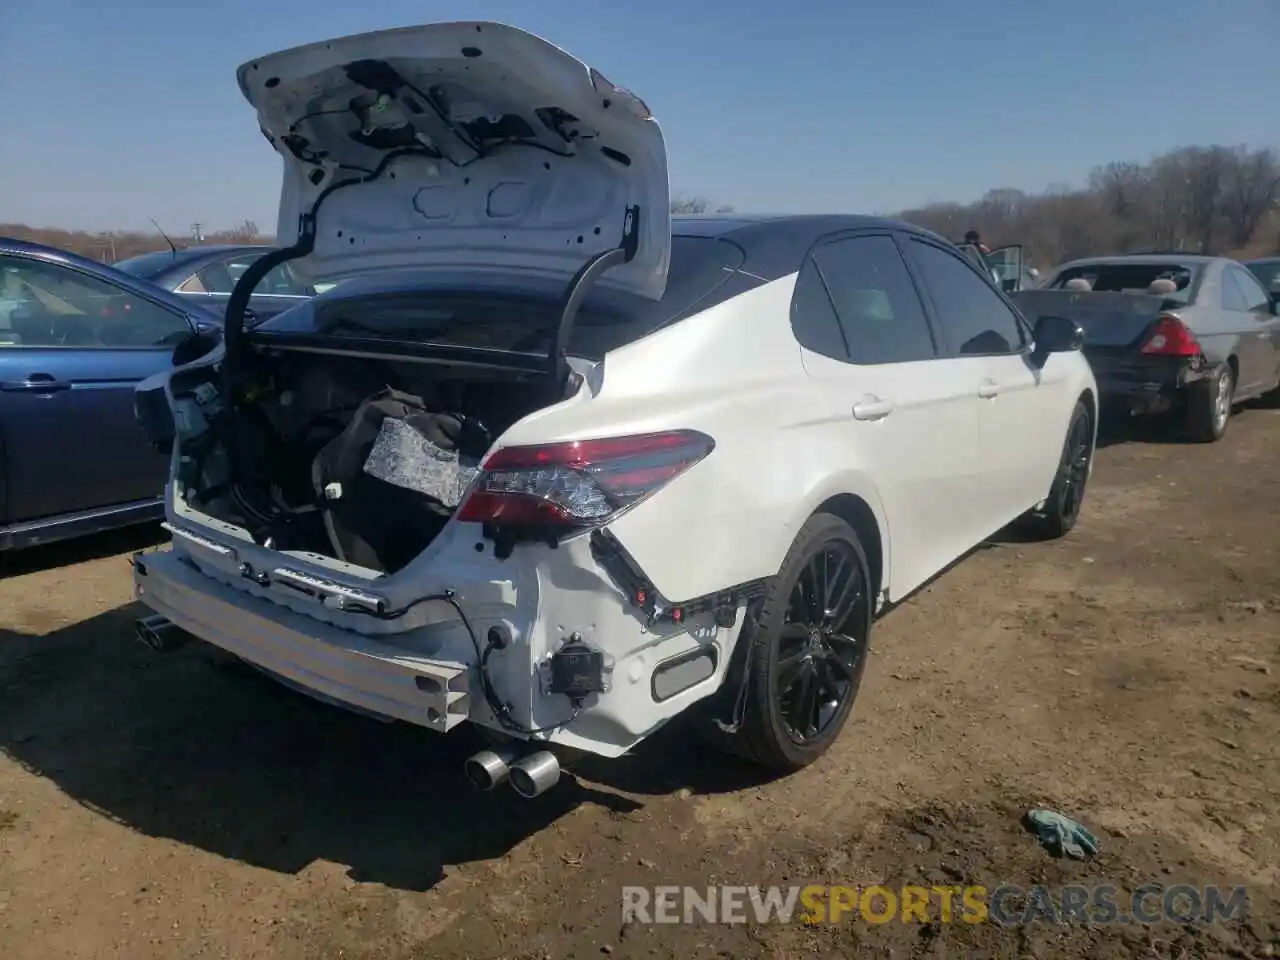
1056, 335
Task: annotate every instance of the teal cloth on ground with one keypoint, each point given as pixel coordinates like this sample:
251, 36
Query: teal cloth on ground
1062, 835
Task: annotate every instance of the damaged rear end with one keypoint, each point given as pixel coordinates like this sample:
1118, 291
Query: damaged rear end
1142, 352
398, 497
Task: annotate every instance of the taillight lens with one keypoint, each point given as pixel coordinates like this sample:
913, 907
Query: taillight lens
582, 483
1171, 338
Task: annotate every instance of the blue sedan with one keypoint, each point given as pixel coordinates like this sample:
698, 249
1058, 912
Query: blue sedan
208, 273
76, 336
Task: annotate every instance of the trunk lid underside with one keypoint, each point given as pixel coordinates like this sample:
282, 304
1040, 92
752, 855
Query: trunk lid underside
474, 146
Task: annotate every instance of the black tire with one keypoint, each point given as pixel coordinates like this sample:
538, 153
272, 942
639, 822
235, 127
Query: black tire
1066, 494
832, 656
1209, 406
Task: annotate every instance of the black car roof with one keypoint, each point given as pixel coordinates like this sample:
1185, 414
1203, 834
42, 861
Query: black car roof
775, 244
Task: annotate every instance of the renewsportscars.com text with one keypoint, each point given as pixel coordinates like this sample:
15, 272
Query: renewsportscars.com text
1006, 905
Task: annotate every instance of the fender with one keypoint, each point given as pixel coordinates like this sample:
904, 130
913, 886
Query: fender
846, 483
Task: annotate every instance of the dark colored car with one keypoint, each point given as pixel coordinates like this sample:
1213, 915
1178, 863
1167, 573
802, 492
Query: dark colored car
208, 274
76, 337
1169, 332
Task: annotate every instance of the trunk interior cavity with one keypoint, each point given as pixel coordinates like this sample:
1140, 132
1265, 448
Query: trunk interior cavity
361, 459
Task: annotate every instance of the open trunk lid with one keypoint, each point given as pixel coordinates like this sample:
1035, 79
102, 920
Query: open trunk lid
1109, 320
474, 146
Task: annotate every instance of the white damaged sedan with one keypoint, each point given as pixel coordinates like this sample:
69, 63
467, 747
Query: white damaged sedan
551, 462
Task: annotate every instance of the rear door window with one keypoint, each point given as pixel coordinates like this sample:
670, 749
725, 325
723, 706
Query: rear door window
813, 316
221, 277
879, 311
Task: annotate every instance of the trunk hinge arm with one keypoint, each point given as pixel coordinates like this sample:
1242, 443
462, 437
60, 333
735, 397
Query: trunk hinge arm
580, 286
238, 302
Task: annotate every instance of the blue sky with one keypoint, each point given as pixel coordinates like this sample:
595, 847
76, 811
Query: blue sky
123, 110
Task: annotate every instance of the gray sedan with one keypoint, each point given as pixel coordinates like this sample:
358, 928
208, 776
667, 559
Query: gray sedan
1169, 331
208, 273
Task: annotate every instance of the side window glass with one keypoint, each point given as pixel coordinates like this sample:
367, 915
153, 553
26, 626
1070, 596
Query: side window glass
875, 300
977, 320
813, 318
192, 285
222, 277
1232, 295
282, 281
46, 305
1255, 298
216, 277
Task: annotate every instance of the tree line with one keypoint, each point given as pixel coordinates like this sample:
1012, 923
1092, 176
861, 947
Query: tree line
1214, 199
108, 246
1198, 199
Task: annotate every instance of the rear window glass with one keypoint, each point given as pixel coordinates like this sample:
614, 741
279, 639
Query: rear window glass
1133, 278
523, 320
146, 265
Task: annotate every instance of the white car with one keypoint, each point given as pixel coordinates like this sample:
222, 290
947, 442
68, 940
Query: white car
554, 463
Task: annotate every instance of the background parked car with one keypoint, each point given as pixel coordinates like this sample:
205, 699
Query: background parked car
1007, 266
75, 338
208, 274
1169, 331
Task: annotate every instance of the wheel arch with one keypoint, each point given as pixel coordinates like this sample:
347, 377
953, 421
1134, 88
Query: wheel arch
852, 496
856, 512
1090, 402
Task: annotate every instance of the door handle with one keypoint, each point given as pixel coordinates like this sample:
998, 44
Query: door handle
988, 389
35, 383
872, 408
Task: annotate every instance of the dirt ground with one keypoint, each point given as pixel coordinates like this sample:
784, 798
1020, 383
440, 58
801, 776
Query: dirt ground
1129, 675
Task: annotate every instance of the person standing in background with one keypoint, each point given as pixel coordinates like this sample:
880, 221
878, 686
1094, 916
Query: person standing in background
976, 239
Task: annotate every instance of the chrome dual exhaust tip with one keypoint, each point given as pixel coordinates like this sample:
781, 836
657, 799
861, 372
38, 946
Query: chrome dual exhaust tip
535, 774
160, 633
489, 768
530, 776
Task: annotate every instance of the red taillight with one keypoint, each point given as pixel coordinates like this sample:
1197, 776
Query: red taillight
580, 483
1171, 338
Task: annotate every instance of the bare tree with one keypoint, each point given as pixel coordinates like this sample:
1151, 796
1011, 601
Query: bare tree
689, 205
1207, 198
1206, 170
1252, 189
244, 232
